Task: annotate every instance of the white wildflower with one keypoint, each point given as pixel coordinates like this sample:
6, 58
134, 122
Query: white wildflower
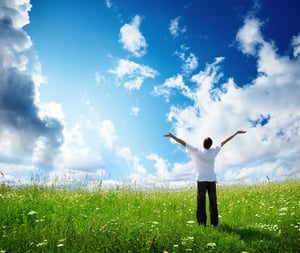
211, 245
45, 242
190, 222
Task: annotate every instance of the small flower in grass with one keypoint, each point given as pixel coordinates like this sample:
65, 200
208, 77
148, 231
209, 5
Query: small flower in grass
60, 244
45, 242
40, 220
187, 240
281, 214
32, 213
190, 222
211, 245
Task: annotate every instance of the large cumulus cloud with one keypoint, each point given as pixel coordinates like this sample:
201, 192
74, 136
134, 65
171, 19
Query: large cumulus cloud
267, 107
25, 129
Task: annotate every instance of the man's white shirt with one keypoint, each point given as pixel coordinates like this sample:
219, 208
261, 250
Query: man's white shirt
205, 161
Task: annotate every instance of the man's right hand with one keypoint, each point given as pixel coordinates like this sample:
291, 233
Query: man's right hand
168, 134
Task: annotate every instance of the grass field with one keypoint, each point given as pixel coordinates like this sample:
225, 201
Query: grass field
262, 218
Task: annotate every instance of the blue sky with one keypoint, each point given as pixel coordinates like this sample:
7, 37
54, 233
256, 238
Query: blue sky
88, 88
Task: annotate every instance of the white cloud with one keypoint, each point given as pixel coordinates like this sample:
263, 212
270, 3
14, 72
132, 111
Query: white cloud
174, 23
171, 83
189, 61
132, 73
277, 170
135, 110
14, 40
99, 78
74, 178
30, 126
296, 45
249, 36
41, 152
132, 160
77, 153
134, 84
132, 39
107, 132
177, 172
266, 108
126, 67
51, 109
183, 171
108, 4
175, 28
160, 165
13, 173
84, 143
8, 168
20, 16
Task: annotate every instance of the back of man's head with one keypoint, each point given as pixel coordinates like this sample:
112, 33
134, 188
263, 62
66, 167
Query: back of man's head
207, 143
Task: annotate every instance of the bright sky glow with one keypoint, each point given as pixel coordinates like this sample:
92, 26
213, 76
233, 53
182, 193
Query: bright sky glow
88, 88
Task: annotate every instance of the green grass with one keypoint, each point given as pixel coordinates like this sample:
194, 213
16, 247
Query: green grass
252, 219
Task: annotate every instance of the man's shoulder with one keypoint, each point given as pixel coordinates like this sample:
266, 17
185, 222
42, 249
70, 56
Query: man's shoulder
190, 147
216, 149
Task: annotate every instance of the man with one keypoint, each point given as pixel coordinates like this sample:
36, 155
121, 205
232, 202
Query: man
205, 175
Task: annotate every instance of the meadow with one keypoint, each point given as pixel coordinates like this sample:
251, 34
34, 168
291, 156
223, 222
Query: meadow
264, 218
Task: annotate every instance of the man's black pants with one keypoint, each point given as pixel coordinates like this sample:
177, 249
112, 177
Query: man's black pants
210, 187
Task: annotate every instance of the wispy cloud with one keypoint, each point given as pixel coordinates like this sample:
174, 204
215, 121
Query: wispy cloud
160, 165
175, 82
107, 132
132, 39
132, 74
100, 78
108, 4
296, 45
175, 28
189, 60
190, 63
135, 110
132, 160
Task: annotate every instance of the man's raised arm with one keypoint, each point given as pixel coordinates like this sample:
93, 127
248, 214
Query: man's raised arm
232, 136
182, 142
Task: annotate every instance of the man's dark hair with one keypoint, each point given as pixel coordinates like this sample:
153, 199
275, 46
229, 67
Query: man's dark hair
207, 143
